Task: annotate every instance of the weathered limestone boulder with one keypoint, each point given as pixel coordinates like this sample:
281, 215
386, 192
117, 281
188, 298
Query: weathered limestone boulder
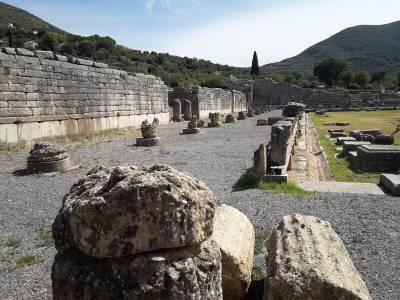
235, 236
260, 160
307, 260
148, 130
183, 273
230, 119
45, 158
128, 210
293, 109
242, 115
187, 109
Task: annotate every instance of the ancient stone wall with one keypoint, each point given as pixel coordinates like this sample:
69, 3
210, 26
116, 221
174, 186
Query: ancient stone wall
211, 100
269, 92
44, 95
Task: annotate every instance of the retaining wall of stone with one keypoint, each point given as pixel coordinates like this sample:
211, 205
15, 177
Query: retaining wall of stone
211, 100
45, 95
269, 92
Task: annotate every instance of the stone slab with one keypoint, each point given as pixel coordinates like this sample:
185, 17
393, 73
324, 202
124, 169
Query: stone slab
391, 182
341, 140
341, 187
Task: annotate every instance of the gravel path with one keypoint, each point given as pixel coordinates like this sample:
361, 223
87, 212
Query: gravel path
368, 225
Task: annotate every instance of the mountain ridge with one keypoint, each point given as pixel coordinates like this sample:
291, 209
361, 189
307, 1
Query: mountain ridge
363, 47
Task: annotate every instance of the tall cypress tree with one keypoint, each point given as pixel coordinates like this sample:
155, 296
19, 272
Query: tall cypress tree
255, 69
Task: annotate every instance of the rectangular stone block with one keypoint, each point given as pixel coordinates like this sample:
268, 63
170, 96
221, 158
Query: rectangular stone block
28, 131
61, 58
69, 127
22, 51
84, 62
391, 183
100, 65
9, 50
44, 54
353, 145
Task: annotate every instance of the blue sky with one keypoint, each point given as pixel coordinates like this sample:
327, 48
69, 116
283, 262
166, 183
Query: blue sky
221, 30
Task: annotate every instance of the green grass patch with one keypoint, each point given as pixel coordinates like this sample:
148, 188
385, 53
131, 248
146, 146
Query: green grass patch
46, 238
257, 274
13, 242
26, 260
339, 167
249, 181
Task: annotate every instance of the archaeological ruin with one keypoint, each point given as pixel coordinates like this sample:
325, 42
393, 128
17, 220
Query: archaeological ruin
136, 224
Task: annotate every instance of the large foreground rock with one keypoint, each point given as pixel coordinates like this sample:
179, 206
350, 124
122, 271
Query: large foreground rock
308, 261
123, 211
235, 236
184, 273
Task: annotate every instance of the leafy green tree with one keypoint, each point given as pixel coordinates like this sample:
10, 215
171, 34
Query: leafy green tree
362, 79
255, 68
86, 48
378, 77
49, 41
398, 80
346, 78
328, 70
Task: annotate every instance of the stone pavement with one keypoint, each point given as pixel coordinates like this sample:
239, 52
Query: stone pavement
341, 187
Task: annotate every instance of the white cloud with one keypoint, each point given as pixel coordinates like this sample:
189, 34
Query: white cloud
149, 4
277, 32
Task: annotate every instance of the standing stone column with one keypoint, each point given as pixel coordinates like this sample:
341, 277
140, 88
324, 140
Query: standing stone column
260, 160
187, 110
177, 110
137, 233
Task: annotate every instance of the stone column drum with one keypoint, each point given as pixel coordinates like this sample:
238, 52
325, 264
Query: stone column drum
192, 126
187, 110
149, 138
215, 120
176, 110
136, 233
46, 158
